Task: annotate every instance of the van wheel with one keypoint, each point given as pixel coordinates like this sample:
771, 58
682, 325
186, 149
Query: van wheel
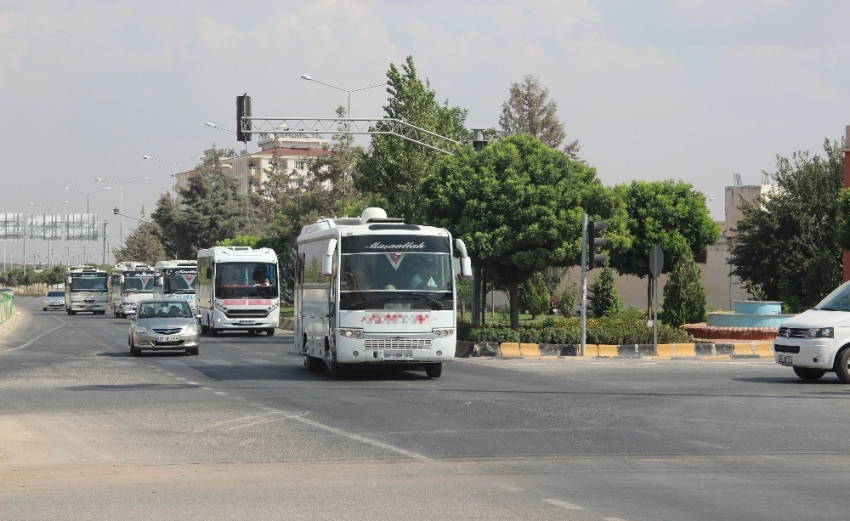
808, 374
842, 371
270, 331
213, 331
434, 370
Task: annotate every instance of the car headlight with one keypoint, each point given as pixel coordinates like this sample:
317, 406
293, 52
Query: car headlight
192, 327
820, 332
140, 329
351, 333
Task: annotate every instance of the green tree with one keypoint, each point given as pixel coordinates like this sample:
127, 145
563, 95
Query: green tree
788, 245
518, 205
529, 110
209, 210
393, 168
669, 213
684, 296
603, 299
534, 296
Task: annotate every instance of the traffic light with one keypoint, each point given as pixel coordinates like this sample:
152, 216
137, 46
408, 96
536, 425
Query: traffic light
594, 241
243, 109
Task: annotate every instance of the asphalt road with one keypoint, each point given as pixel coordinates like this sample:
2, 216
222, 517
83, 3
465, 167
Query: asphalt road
243, 431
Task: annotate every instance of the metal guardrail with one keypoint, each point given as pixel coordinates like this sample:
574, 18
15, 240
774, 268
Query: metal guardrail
5, 307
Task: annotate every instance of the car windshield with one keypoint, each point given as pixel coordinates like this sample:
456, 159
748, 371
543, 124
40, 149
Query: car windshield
55, 293
164, 310
838, 300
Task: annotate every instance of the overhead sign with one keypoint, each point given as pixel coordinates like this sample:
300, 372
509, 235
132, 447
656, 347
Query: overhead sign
83, 227
656, 261
11, 226
44, 227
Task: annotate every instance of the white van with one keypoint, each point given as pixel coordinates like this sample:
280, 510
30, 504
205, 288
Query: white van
817, 341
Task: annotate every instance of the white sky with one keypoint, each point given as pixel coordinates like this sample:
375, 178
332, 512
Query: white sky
657, 89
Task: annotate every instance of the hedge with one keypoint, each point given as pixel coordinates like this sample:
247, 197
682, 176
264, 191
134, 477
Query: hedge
606, 330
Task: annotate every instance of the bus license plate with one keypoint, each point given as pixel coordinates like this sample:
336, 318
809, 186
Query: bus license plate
167, 339
784, 359
247, 322
393, 354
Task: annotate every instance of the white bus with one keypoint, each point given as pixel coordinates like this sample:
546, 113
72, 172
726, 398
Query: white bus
237, 290
86, 290
374, 290
176, 279
132, 282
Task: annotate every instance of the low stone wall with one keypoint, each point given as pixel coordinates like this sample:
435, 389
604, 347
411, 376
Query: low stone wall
706, 332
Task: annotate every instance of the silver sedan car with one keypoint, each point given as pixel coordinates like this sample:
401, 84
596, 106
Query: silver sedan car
164, 325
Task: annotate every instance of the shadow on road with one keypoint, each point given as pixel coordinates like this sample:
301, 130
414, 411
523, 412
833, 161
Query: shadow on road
133, 387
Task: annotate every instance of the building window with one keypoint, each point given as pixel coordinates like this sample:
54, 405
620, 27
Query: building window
300, 165
701, 257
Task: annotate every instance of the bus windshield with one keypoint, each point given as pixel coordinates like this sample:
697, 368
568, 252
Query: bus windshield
141, 284
88, 283
246, 280
384, 277
178, 281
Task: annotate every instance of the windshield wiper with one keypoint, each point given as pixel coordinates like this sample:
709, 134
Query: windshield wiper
361, 304
424, 296
830, 309
183, 291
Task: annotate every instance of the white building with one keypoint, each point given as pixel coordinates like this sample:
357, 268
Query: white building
249, 169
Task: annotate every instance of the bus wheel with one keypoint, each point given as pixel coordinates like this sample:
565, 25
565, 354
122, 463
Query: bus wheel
270, 331
434, 370
335, 369
311, 363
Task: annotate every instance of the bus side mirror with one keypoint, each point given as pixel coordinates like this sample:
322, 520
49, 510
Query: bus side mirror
327, 260
465, 261
466, 267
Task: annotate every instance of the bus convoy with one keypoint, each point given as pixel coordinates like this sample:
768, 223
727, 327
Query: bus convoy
368, 291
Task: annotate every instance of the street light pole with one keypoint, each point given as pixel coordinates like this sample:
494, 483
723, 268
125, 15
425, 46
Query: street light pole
87, 194
48, 236
173, 170
348, 110
121, 190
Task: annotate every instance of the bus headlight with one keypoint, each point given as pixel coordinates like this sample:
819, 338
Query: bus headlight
443, 333
351, 333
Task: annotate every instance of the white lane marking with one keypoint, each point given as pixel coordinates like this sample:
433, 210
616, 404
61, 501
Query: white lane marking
709, 445
267, 420
562, 504
79, 363
170, 374
613, 519
362, 439
169, 362
219, 393
179, 378
258, 361
63, 323
509, 488
192, 383
215, 361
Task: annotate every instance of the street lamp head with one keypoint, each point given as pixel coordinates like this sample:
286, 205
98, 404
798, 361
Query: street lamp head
307, 77
213, 125
146, 157
32, 203
98, 179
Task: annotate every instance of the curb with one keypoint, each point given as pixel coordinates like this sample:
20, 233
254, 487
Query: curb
719, 351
